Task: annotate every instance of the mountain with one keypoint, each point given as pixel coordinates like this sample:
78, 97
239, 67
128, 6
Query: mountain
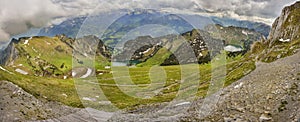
204, 44
256, 26
68, 27
134, 20
284, 38
111, 27
30, 54
238, 36
286, 25
271, 91
49, 56
268, 92
144, 49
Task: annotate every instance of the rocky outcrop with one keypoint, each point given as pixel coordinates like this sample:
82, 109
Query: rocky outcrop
194, 46
139, 49
18, 105
91, 45
9, 54
284, 38
242, 37
286, 26
195, 43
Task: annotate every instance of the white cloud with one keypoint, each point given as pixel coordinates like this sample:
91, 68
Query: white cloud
17, 16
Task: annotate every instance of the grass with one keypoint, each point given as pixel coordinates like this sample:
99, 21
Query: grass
280, 50
166, 83
146, 84
236, 69
42, 87
41, 52
44, 53
157, 59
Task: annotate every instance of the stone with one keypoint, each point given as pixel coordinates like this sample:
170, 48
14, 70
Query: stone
264, 118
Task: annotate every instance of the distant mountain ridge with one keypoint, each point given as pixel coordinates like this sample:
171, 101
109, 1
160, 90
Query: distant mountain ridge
138, 18
204, 44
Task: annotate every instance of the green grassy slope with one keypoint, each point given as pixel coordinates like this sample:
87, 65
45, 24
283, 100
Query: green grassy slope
56, 89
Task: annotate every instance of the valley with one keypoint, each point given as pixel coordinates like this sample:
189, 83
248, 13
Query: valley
228, 70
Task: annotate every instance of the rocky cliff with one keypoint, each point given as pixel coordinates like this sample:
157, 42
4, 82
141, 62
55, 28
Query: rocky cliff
143, 48
9, 53
284, 38
286, 26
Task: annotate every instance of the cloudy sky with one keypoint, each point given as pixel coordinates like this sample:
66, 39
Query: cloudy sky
17, 16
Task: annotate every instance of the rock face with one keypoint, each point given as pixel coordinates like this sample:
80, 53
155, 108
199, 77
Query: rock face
195, 43
286, 26
284, 38
233, 35
87, 44
139, 49
18, 105
191, 47
9, 54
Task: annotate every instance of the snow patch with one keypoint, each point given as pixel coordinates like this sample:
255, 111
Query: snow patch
231, 48
200, 54
244, 32
284, 40
27, 41
238, 86
105, 102
89, 99
183, 103
65, 95
74, 74
147, 51
21, 71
